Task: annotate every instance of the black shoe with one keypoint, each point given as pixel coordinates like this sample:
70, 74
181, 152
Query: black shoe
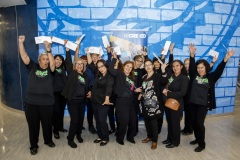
63, 130
166, 142
131, 140
116, 133
120, 142
199, 149
193, 142
103, 143
79, 138
50, 144
112, 131
97, 140
171, 145
83, 128
72, 144
186, 133
56, 135
92, 130
33, 151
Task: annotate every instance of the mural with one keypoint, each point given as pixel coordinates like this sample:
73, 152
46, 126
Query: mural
209, 24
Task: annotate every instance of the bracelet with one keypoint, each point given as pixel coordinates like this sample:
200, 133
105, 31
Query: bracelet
49, 51
212, 62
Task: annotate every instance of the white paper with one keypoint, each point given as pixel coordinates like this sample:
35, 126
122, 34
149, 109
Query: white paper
213, 53
71, 45
117, 50
80, 39
159, 60
57, 40
166, 47
41, 39
94, 50
105, 41
101, 51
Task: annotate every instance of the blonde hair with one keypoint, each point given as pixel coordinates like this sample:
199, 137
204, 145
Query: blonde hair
40, 55
82, 61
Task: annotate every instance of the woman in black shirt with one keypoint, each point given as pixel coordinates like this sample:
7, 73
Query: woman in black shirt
124, 88
202, 95
152, 83
177, 88
76, 90
39, 99
101, 93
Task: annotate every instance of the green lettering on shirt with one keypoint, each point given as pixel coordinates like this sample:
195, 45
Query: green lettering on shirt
135, 73
170, 80
81, 79
201, 80
59, 70
129, 81
41, 73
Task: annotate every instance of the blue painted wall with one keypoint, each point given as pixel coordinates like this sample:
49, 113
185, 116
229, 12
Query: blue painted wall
209, 24
15, 21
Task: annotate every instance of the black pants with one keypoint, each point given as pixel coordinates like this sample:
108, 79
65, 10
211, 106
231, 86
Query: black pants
160, 121
111, 117
188, 119
100, 113
89, 112
34, 115
151, 127
173, 120
58, 112
76, 110
136, 103
126, 118
199, 115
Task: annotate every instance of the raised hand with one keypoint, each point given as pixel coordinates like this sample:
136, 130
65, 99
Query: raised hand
215, 58
65, 42
229, 54
192, 49
21, 38
171, 48
47, 45
163, 67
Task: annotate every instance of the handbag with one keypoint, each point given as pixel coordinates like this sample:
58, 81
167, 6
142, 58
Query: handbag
172, 103
150, 103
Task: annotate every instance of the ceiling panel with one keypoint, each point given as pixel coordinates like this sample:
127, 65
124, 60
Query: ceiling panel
9, 3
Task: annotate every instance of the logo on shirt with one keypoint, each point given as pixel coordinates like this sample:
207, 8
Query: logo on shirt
131, 83
41, 73
201, 80
59, 70
170, 80
135, 73
81, 79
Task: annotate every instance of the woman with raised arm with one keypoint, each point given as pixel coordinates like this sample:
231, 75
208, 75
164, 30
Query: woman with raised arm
124, 88
202, 95
101, 93
76, 91
59, 81
177, 88
151, 86
39, 99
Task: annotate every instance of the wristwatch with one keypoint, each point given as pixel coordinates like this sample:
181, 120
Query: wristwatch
49, 51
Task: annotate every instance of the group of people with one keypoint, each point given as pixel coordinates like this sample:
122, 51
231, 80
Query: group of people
54, 82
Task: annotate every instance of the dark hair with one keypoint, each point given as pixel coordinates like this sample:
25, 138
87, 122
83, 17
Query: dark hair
137, 57
104, 64
131, 75
205, 63
148, 60
84, 57
62, 58
155, 59
183, 71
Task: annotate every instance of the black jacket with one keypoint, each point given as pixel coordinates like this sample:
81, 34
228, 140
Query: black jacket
212, 79
68, 90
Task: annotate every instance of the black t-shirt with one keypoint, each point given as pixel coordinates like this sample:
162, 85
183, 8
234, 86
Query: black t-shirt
59, 79
129, 88
199, 92
80, 90
40, 85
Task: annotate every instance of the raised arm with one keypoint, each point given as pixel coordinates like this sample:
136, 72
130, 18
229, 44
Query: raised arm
192, 65
68, 61
112, 69
171, 53
22, 51
89, 58
50, 56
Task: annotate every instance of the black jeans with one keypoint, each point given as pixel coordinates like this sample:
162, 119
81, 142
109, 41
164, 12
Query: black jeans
188, 122
100, 113
34, 115
89, 112
151, 127
58, 112
174, 129
126, 118
76, 110
199, 115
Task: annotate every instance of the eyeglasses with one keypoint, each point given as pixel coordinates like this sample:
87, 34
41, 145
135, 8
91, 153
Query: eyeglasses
139, 61
148, 65
79, 64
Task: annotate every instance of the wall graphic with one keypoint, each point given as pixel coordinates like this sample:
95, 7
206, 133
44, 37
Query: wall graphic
209, 24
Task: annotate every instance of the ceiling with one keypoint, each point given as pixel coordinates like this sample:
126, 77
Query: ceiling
8, 3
